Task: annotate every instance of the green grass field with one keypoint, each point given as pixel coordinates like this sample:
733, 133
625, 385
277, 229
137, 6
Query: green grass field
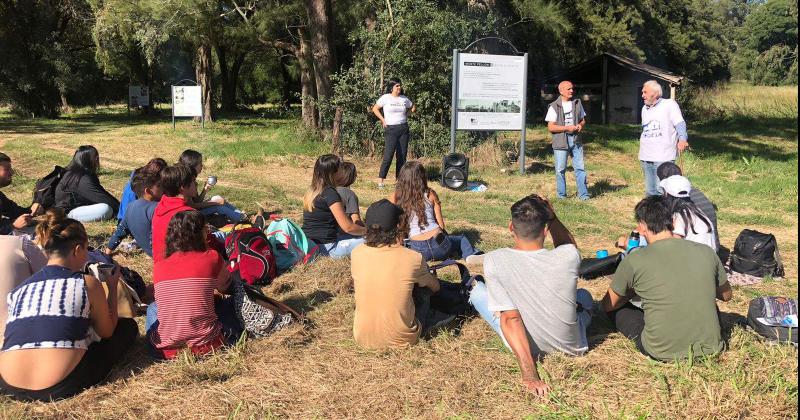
744, 157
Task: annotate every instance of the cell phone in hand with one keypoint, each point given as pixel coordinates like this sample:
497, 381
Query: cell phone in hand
106, 270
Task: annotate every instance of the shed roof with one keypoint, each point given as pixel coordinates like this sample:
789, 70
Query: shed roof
651, 70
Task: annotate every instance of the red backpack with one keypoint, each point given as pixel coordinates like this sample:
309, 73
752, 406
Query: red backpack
250, 256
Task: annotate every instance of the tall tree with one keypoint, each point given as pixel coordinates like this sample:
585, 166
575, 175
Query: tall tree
46, 55
320, 29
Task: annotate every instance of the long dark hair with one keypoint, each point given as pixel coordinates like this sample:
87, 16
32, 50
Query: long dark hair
685, 209
410, 192
192, 159
85, 161
186, 232
390, 85
324, 176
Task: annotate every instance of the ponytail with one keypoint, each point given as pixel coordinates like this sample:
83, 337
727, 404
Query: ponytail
58, 235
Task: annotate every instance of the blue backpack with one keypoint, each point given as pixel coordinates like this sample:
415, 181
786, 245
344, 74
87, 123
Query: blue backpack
290, 243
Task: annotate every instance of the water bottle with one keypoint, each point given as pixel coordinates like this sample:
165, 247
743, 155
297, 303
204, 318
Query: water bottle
633, 241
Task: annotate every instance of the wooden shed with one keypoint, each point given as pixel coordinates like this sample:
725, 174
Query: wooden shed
610, 87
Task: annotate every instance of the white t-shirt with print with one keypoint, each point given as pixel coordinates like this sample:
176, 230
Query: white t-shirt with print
394, 108
569, 116
659, 139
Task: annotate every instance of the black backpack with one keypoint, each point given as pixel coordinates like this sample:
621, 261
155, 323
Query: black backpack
45, 191
756, 254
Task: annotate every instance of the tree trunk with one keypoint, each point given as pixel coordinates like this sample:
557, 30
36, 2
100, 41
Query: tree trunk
65, 103
319, 18
229, 77
336, 140
203, 72
308, 87
225, 84
286, 82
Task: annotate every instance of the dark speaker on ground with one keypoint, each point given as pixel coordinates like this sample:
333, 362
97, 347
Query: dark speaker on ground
455, 171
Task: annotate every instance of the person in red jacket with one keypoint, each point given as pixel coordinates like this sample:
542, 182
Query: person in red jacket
178, 184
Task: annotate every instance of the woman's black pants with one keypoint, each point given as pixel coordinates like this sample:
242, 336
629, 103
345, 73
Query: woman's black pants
396, 139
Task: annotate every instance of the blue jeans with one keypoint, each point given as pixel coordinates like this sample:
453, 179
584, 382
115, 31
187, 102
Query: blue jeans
341, 248
93, 213
560, 157
232, 328
451, 246
226, 210
651, 180
479, 299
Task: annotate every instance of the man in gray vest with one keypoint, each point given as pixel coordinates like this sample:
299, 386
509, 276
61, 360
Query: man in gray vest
565, 120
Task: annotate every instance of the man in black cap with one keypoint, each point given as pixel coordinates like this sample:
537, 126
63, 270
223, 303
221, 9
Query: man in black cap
392, 285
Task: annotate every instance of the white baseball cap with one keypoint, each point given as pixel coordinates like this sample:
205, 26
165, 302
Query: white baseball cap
676, 186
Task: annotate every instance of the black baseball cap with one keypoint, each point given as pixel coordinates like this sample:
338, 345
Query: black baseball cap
384, 214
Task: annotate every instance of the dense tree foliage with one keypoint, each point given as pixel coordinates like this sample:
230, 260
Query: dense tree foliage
766, 45
329, 54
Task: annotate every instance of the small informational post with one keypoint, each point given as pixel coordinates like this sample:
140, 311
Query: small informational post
138, 96
187, 101
491, 92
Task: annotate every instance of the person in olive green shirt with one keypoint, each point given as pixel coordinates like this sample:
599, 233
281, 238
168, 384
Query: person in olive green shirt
677, 281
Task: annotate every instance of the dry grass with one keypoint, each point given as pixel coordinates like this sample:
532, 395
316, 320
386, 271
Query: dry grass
317, 371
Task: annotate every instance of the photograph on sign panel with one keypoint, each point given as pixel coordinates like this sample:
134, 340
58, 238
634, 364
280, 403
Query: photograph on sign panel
477, 105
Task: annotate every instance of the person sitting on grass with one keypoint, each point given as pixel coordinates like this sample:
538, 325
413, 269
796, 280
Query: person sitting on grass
392, 284
128, 194
19, 259
423, 217
138, 219
178, 186
531, 297
688, 221
216, 205
62, 334
668, 169
324, 214
678, 282
186, 312
12, 216
345, 177
79, 192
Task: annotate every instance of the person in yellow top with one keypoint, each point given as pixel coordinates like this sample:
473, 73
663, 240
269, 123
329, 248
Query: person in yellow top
392, 285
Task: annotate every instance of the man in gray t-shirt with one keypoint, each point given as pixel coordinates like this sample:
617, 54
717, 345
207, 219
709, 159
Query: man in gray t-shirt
534, 290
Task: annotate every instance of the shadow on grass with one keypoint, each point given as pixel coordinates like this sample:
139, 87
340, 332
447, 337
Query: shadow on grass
136, 360
604, 186
473, 235
113, 119
540, 168
309, 302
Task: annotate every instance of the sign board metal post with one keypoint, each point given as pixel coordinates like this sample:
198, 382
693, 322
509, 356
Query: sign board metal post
453, 112
172, 97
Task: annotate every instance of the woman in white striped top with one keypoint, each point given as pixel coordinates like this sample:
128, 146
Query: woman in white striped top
62, 333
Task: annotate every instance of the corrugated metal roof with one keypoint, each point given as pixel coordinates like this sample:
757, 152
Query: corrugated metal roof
654, 71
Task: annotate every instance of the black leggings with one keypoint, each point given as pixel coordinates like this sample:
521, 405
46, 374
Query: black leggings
629, 321
396, 139
91, 370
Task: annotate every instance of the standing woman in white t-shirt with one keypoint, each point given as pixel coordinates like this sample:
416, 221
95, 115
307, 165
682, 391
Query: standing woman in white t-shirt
394, 118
